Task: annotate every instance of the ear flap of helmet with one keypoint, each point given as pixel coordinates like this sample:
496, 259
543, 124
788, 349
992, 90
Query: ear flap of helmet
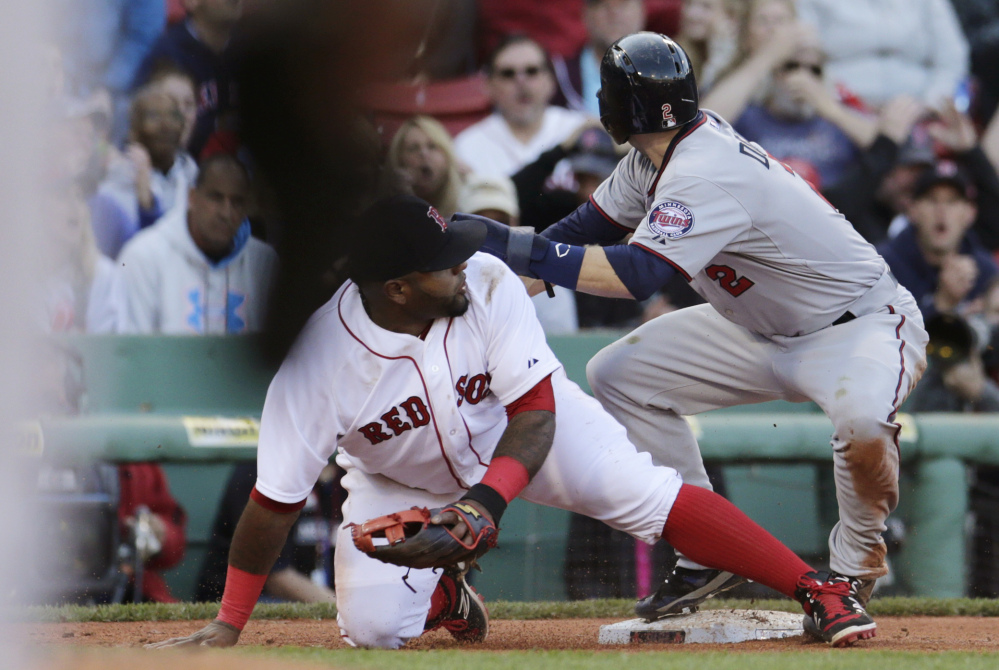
612, 123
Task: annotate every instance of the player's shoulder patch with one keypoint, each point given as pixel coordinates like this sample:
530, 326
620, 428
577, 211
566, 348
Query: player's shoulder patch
670, 220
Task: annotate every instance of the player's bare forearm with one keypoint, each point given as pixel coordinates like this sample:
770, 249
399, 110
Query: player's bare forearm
258, 539
597, 277
528, 438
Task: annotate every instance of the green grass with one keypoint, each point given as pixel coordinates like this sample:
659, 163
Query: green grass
830, 659
586, 609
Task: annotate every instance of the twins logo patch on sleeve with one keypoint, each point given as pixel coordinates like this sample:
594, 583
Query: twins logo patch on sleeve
670, 220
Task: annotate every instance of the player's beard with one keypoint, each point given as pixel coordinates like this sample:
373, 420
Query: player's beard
458, 305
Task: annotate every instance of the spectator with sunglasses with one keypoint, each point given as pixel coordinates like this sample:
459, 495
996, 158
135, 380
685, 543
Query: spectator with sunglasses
803, 124
524, 124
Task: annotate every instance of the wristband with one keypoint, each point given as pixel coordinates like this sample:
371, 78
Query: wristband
557, 262
507, 476
241, 592
489, 498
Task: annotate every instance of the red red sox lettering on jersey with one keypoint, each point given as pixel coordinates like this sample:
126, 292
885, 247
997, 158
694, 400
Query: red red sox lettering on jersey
471, 389
424, 413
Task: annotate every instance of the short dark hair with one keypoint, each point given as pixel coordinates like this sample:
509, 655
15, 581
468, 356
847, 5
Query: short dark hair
509, 41
220, 159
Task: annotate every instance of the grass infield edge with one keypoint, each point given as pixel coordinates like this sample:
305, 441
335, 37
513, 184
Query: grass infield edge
585, 609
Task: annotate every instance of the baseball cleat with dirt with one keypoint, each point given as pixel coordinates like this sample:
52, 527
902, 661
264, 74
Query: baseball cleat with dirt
467, 619
832, 603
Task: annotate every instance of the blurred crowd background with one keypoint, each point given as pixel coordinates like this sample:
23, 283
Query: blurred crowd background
168, 208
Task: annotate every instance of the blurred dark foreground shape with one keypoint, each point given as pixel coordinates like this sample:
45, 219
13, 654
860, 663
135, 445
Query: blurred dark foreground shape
306, 65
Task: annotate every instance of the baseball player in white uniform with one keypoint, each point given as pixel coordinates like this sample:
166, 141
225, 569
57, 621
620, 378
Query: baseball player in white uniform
430, 376
799, 308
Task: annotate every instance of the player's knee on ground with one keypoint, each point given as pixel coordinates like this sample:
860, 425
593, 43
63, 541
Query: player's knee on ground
374, 635
381, 623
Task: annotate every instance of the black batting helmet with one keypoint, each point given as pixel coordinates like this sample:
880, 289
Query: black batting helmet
646, 86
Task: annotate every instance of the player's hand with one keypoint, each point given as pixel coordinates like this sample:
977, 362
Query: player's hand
534, 286
497, 234
457, 525
215, 634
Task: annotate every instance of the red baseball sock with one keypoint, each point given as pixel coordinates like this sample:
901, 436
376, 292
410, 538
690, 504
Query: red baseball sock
710, 530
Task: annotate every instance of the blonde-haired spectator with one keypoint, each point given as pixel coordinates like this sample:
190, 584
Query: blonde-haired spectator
422, 151
707, 34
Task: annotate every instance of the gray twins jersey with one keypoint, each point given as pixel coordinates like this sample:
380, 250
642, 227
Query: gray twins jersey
752, 237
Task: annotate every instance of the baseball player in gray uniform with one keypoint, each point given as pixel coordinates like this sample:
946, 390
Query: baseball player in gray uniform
799, 308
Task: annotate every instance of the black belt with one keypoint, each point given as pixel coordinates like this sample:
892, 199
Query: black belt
846, 318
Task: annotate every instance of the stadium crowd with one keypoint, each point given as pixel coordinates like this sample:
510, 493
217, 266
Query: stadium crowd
887, 107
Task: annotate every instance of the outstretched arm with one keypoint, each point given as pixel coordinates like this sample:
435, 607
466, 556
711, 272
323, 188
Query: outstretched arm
258, 539
619, 271
598, 277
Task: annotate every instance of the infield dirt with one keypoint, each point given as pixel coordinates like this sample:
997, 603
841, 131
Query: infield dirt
894, 634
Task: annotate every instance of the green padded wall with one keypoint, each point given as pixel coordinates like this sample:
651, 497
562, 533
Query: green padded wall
166, 376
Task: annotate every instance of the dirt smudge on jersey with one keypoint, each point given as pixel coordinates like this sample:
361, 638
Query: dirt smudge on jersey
492, 277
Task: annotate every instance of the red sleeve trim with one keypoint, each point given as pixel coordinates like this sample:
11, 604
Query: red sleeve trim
610, 220
658, 255
273, 505
541, 397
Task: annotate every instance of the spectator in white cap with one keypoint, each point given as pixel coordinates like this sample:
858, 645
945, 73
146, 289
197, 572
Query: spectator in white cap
496, 197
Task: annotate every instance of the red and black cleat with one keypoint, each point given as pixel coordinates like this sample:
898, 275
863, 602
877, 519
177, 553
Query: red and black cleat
467, 619
831, 600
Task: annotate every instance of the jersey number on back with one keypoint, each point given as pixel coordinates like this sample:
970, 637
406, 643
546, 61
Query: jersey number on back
727, 279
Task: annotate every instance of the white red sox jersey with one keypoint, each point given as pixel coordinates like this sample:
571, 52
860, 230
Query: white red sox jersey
426, 413
751, 236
